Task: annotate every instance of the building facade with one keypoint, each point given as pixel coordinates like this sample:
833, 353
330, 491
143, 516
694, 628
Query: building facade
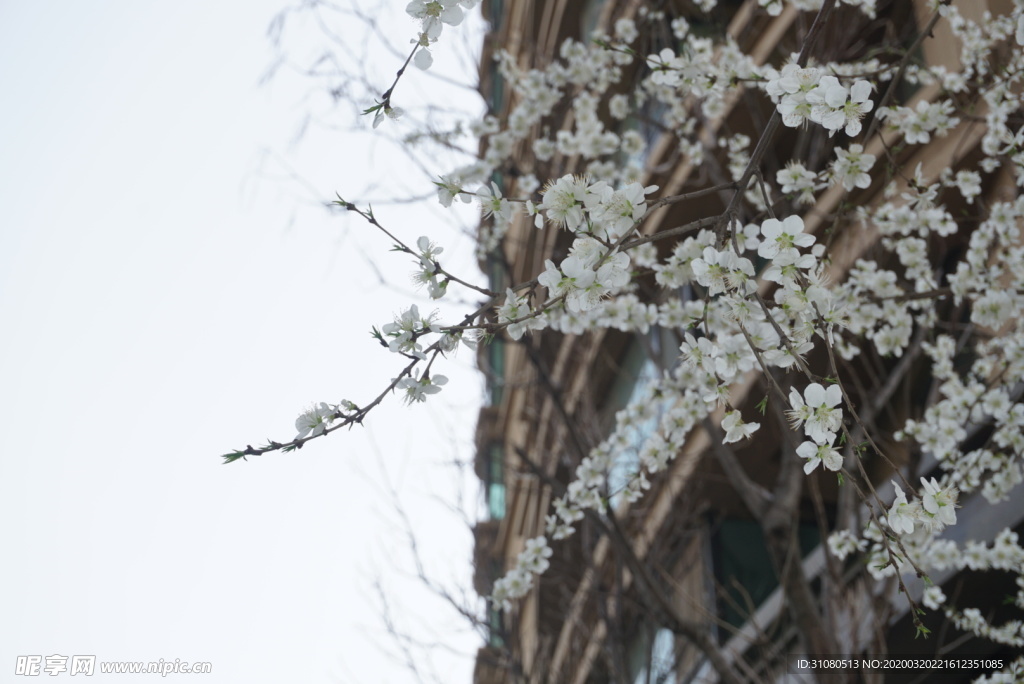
719, 571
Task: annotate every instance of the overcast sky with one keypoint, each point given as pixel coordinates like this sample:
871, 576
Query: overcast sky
166, 297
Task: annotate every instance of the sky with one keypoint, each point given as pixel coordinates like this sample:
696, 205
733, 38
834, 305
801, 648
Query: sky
169, 292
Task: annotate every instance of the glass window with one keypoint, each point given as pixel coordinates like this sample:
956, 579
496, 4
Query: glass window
494, 626
743, 567
638, 375
648, 122
495, 492
496, 98
495, 371
495, 274
494, 11
651, 656
589, 17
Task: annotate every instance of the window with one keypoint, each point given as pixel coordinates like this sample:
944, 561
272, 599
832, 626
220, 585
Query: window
496, 97
495, 371
589, 17
494, 11
494, 355
648, 122
651, 656
638, 374
495, 492
743, 567
495, 273
495, 628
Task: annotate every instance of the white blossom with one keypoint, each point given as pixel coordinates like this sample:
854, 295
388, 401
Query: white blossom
514, 308
817, 410
417, 388
939, 502
736, 429
852, 167
816, 454
314, 420
836, 108
782, 239
902, 515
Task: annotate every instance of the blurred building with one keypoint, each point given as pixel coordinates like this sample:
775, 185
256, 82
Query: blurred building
553, 396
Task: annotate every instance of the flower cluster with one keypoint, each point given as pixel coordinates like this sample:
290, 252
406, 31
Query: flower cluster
417, 387
433, 15
935, 509
516, 583
796, 179
917, 125
807, 94
575, 203
576, 279
516, 315
316, 419
429, 269
403, 335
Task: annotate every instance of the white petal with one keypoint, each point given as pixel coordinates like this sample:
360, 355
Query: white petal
452, 15
833, 461
815, 394
423, 59
836, 95
861, 91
